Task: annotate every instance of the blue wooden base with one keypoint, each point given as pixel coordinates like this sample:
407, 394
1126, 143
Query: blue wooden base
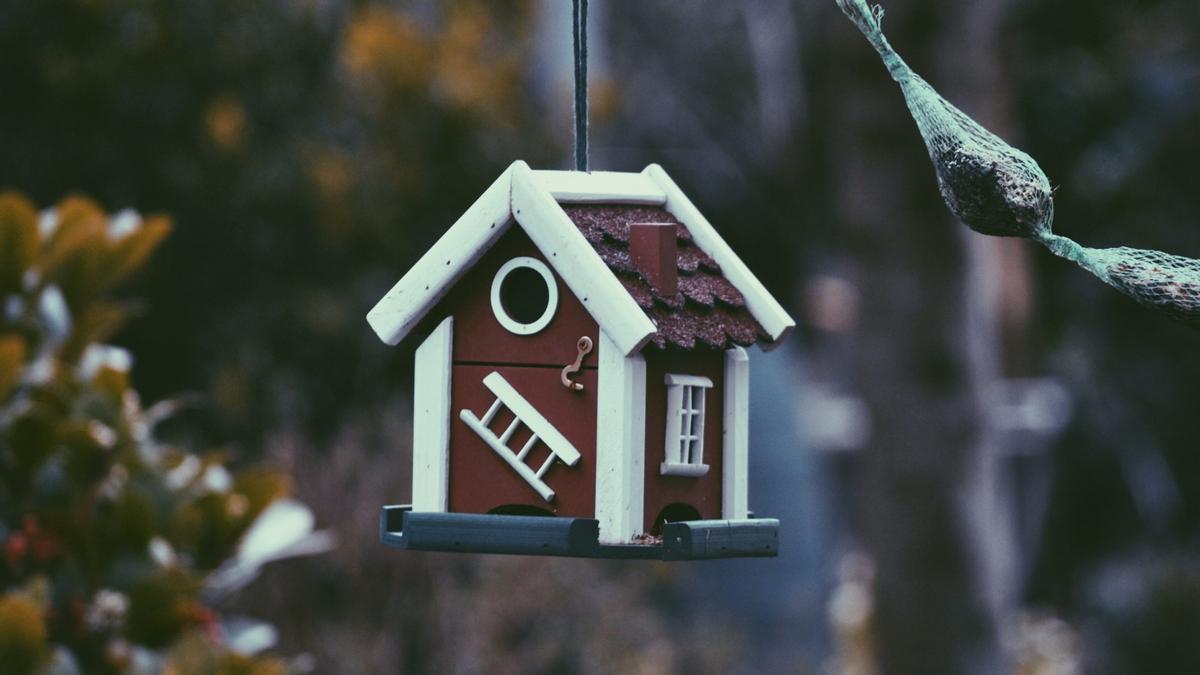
400, 527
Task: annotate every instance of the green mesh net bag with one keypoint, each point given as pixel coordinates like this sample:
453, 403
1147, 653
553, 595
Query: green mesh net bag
996, 189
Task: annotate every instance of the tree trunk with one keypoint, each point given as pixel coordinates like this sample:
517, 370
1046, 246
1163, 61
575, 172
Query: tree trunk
925, 349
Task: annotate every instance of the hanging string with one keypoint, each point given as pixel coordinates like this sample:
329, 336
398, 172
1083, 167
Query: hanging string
579, 17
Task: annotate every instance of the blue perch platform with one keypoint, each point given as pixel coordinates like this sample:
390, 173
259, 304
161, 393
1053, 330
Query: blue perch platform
400, 527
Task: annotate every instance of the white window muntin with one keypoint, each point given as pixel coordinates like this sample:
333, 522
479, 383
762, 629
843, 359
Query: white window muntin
685, 425
510, 324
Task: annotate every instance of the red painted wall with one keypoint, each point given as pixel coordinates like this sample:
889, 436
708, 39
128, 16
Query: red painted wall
479, 338
703, 493
480, 480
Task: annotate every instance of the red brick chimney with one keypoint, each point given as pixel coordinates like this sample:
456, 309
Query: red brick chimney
652, 250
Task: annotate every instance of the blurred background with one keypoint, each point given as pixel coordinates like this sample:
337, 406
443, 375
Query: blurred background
985, 461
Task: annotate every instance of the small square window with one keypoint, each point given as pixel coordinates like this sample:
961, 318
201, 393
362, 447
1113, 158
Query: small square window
685, 425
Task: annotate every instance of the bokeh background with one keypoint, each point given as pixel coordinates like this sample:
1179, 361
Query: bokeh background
985, 460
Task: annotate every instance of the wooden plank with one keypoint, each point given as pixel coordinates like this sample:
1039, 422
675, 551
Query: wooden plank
445, 262
431, 419
620, 443
765, 308
735, 486
533, 419
600, 187
576, 262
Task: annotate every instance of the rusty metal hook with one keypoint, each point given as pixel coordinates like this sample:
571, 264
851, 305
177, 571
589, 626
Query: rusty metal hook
584, 347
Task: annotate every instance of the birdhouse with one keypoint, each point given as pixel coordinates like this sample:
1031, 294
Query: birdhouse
582, 385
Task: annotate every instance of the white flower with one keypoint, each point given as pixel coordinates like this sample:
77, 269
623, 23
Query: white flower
54, 312
185, 473
110, 488
41, 370
103, 434
123, 223
14, 307
98, 356
107, 611
283, 530
217, 479
161, 552
47, 222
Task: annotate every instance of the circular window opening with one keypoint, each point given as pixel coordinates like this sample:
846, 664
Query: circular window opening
524, 295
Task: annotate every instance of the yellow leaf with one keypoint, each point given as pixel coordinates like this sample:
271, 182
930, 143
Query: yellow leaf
387, 47
18, 239
261, 487
12, 360
81, 225
225, 120
22, 634
66, 246
112, 382
160, 607
131, 251
97, 323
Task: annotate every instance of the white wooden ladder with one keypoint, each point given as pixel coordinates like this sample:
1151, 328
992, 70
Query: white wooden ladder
523, 413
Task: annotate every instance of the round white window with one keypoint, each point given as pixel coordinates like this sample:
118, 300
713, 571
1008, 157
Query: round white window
524, 295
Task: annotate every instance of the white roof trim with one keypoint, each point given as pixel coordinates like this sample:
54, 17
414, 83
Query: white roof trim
532, 198
599, 187
445, 263
570, 254
762, 305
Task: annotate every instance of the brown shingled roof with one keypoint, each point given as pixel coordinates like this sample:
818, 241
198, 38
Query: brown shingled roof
706, 312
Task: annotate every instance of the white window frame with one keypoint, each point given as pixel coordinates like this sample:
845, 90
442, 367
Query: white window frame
510, 324
684, 447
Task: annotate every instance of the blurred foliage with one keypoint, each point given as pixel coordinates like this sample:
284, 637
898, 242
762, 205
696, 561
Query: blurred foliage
369, 609
1110, 101
308, 151
107, 533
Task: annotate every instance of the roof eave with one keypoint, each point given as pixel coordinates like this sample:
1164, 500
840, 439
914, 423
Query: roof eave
581, 268
418, 291
533, 198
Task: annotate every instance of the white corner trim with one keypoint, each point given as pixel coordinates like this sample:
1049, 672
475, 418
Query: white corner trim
620, 443
589, 279
524, 413
599, 187
431, 420
445, 262
736, 432
687, 380
510, 324
765, 308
